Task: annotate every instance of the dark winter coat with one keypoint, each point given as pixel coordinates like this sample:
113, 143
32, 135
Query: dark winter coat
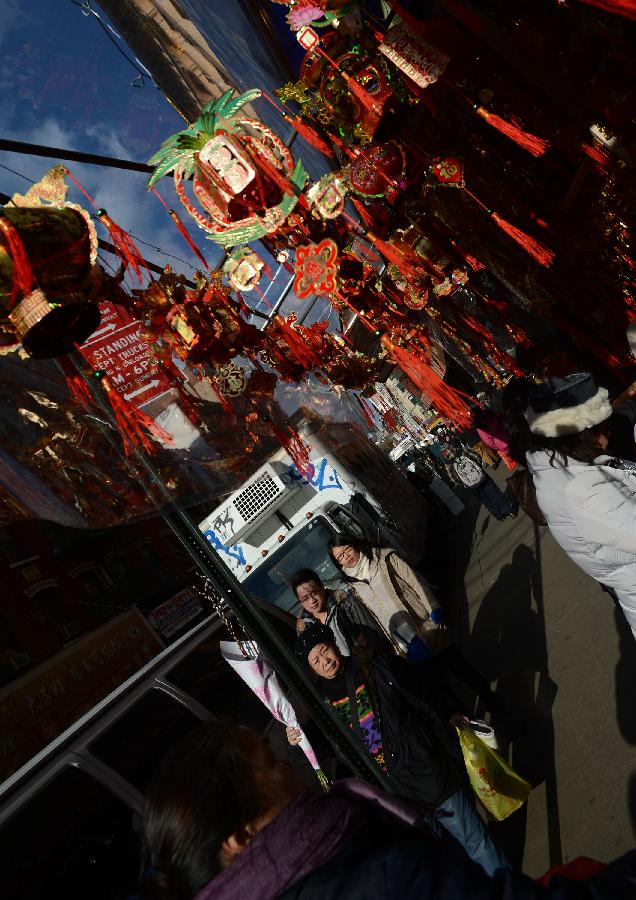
347, 617
421, 750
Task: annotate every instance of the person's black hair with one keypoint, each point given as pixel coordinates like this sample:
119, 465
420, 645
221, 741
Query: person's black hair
514, 401
348, 540
582, 447
312, 635
202, 792
301, 577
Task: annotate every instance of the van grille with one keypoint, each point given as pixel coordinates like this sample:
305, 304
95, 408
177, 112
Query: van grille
256, 497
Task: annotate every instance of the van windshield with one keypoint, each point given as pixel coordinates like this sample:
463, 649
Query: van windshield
305, 550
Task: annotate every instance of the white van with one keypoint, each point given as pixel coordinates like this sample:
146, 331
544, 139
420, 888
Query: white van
280, 520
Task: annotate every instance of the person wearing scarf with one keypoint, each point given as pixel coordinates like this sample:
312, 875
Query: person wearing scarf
225, 820
410, 616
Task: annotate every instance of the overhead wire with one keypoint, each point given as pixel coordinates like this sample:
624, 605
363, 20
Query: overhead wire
88, 11
134, 236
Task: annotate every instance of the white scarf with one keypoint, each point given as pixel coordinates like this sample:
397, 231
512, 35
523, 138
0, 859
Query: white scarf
362, 569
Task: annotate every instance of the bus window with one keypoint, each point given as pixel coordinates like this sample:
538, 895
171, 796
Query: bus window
206, 676
73, 839
140, 738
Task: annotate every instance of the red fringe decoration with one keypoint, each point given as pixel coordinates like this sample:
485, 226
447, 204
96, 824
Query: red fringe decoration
77, 387
302, 352
472, 261
362, 94
126, 249
365, 411
181, 228
625, 8
135, 427
363, 212
310, 135
408, 266
600, 156
186, 236
296, 448
448, 401
530, 142
23, 278
535, 248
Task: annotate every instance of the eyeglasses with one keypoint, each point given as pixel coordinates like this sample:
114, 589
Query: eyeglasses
313, 595
341, 555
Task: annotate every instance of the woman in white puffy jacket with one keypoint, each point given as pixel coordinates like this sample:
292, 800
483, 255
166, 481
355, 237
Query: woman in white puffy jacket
587, 494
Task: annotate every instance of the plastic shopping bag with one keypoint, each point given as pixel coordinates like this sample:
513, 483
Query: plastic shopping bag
498, 786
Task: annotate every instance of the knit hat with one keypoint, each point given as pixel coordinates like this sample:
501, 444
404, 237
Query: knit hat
315, 634
563, 406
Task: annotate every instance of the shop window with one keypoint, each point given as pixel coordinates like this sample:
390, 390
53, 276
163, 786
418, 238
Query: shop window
73, 839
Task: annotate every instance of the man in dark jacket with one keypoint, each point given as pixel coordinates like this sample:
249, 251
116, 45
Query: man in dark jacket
401, 718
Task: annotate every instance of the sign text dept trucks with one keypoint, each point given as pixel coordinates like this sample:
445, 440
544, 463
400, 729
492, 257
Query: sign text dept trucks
279, 521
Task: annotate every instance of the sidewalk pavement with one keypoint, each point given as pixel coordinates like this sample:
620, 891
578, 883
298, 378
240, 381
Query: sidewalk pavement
564, 659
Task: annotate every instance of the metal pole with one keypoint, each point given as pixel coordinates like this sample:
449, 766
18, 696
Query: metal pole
73, 155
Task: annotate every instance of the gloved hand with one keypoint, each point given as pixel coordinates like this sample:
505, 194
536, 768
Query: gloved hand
438, 616
417, 650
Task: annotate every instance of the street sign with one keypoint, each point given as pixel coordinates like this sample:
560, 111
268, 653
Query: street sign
119, 349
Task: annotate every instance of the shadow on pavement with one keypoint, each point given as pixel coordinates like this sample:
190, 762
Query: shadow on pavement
449, 546
508, 643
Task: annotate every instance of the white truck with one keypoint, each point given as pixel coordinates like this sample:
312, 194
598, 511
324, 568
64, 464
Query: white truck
279, 521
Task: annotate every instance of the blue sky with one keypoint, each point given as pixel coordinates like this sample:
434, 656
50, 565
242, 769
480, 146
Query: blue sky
64, 84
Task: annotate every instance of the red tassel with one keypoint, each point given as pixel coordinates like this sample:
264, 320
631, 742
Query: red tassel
135, 427
302, 352
472, 261
310, 135
181, 228
23, 278
363, 212
535, 248
410, 266
362, 94
296, 448
184, 233
448, 401
600, 156
530, 142
365, 411
126, 249
77, 387
625, 8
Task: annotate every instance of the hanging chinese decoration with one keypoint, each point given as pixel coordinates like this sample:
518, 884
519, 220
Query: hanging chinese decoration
202, 325
327, 196
243, 268
243, 175
316, 269
47, 279
448, 171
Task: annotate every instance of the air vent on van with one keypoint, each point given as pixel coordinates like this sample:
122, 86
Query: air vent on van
257, 497
245, 509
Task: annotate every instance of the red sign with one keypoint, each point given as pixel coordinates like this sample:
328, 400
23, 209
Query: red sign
119, 349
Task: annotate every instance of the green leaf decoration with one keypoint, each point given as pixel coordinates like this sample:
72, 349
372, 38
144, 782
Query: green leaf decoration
163, 168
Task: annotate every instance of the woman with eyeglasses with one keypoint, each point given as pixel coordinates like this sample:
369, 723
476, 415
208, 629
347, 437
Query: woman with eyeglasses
339, 610
410, 616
